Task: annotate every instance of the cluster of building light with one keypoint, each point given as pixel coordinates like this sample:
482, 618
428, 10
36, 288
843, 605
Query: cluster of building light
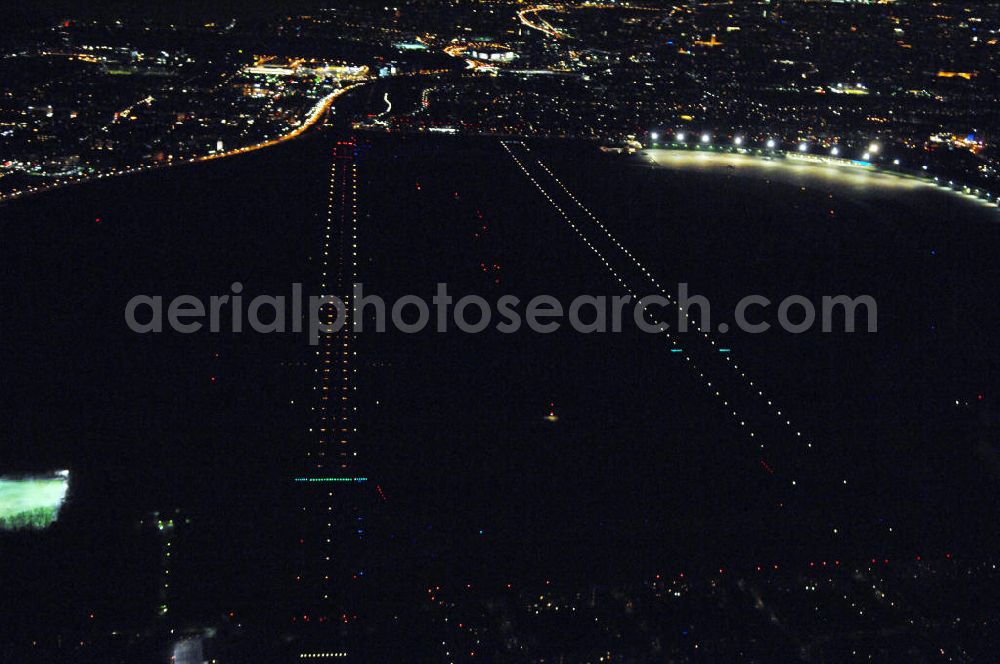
314, 115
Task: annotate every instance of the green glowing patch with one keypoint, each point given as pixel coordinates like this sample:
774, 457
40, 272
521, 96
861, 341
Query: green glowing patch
31, 502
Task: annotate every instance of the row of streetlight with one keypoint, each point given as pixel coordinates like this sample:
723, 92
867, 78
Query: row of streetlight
706, 138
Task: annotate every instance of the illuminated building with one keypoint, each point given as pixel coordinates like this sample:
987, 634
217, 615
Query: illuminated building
490, 52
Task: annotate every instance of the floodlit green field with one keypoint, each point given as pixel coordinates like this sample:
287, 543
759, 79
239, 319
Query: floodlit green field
31, 502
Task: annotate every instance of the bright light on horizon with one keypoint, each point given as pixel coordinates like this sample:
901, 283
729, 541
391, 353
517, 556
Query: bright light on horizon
794, 171
680, 136
770, 143
803, 147
654, 136
705, 138
738, 140
834, 150
873, 148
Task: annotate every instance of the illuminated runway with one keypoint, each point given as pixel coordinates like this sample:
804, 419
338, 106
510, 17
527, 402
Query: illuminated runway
333, 524
722, 376
816, 466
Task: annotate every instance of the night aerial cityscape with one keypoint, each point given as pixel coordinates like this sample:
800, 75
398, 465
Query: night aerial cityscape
497, 331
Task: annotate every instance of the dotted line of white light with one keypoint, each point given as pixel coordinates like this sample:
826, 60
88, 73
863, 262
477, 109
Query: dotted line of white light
336, 427
712, 389
754, 388
321, 655
569, 221
340, 426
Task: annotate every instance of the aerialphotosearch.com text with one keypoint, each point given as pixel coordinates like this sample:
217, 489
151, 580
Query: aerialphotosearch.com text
318, 315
